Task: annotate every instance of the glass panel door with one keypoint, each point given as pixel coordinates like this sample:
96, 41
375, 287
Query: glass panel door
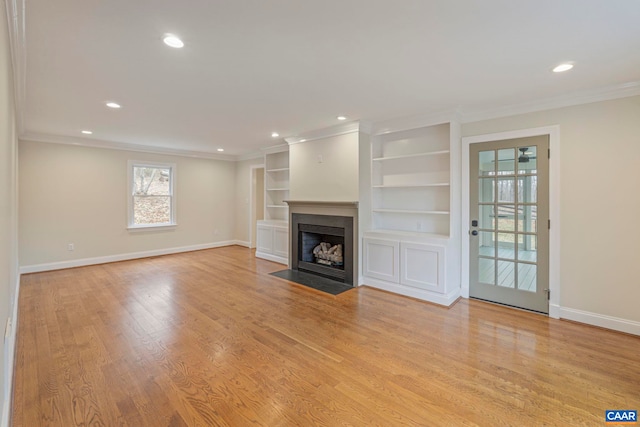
508, 250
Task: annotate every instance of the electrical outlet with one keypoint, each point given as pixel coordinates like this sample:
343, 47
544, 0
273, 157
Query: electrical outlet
71, 247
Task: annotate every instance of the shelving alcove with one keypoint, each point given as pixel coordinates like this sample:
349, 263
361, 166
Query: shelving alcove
272, 240
413, 244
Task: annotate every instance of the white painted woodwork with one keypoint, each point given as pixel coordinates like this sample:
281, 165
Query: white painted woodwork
381, 259
273, 241
276, 184
423, 266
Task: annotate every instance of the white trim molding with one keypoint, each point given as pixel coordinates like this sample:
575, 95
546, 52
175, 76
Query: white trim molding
341, 129
554, 205
600, 320
36, 268
445, 300
9, 357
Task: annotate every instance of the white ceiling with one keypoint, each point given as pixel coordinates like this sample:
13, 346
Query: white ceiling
251, 67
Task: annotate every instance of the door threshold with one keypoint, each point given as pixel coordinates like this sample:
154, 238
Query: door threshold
510, 306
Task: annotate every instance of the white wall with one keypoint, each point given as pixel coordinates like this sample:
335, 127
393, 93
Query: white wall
74, 194
600, 201
8, 212
334, 177
242, 196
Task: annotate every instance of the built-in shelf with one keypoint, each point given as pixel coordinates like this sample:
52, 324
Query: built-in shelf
277, 206
410, 211
439, 184
406, 156
277, 170
387, 233
277, 189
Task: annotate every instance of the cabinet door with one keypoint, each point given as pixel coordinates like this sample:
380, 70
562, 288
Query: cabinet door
264, 239
380, 259
423, 266
281, 242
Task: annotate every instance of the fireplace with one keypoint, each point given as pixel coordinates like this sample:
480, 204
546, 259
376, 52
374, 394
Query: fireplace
323, 245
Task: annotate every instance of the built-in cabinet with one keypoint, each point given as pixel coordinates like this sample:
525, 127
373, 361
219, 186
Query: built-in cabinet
413, 246
272, 240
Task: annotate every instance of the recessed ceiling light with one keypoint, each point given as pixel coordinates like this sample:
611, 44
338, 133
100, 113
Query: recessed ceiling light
87, 132
113, 105
341, 118
275, 135
220, 149
563, 67
172, 41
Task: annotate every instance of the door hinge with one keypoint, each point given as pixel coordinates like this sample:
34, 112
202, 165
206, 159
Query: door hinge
548, 291
548, 224
548, 153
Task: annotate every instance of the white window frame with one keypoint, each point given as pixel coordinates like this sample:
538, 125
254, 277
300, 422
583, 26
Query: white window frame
130, 187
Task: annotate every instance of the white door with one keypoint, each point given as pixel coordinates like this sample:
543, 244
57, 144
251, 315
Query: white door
509, 213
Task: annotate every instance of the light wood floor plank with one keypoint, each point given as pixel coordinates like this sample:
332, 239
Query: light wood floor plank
209, 338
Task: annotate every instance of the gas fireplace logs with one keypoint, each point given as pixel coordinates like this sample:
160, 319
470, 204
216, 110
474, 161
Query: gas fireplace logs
327, 254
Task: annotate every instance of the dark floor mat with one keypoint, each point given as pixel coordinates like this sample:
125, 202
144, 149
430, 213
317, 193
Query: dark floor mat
311, 280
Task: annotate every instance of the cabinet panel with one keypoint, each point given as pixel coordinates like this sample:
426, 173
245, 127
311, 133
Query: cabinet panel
423, 266
281, 242
264, 239
380, 259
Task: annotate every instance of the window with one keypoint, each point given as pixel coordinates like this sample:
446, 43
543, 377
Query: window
151, 197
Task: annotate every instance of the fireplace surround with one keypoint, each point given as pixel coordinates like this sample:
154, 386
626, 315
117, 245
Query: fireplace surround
308, 231
333, 224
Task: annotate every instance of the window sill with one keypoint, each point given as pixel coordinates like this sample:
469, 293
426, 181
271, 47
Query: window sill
153, 227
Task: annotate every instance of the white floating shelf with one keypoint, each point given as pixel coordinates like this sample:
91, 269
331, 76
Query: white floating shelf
277, 206
407, 211
278, 170
277, 189
406, 156
439, 184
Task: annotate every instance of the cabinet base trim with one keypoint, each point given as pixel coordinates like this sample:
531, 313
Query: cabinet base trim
436, 298
271, 257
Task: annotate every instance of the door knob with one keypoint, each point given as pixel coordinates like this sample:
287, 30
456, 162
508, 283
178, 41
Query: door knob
474, 233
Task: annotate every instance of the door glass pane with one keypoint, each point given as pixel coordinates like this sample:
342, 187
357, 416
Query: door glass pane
506, 190
527, 189
486, 243
487, 164
527, 160
506, 245
506, 221
486, 190
528, 219
506, 275
487, 217
527, 277
506, 161
486, 271
528, 248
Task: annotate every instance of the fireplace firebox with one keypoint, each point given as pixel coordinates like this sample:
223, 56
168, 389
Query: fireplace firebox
324, 246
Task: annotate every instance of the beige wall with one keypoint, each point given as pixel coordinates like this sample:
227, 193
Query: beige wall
74, 194
599, 179
243, 193
8, 205
335, 178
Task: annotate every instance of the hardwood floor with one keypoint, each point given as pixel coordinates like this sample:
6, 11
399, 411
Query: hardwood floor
208, 338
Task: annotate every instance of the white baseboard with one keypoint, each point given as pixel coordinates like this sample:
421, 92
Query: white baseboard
594, 319
121, 257
271, 257
9, 357
436, 298
242, 243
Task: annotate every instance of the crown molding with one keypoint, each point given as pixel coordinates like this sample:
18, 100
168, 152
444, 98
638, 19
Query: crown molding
275, 149
414, 121
249, 156
341, 129
110, 145
606, 93
17, 41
